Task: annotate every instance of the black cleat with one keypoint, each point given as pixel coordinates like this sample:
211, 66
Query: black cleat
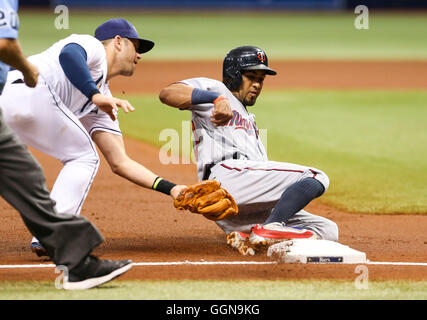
92, 272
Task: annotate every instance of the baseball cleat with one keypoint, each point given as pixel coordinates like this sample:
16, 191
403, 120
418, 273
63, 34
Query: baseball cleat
38, 249
93, 272
240, 241
262, 236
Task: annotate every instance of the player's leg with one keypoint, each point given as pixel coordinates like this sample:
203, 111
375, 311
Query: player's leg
42, 121
262, 182
258, 186
295, 198
22, 184
323, 227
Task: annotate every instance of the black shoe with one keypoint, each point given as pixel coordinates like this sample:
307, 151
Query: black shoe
92, 272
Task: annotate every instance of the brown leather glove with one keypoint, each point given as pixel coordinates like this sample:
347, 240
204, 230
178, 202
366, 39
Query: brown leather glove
207, 198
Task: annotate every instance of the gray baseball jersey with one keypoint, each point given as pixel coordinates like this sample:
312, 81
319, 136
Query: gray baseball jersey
235, 156
214, 144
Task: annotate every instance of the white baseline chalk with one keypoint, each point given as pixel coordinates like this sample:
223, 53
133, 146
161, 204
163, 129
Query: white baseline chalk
178, 263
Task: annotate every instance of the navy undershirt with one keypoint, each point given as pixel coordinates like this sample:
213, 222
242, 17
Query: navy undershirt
199, 96
73, 61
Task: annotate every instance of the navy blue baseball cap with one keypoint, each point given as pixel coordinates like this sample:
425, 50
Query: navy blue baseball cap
123, 28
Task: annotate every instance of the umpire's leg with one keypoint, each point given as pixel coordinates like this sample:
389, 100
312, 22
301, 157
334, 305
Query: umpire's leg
67, 238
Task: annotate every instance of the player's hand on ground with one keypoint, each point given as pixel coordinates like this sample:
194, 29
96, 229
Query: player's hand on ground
110, 105
222, 112
177, 190
31, 75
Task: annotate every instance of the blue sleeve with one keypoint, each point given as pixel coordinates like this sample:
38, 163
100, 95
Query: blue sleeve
199, 96
73, 61
9, 22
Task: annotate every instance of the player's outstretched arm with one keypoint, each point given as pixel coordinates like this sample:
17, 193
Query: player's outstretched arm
113, 149
11, 54
177, 95
182, 96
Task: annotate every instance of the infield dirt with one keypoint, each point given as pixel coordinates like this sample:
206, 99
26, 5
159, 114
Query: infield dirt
142, 225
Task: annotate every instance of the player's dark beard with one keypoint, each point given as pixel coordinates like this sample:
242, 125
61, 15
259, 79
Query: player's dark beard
249, 102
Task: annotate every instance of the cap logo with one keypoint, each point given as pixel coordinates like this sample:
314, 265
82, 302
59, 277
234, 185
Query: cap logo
261, 56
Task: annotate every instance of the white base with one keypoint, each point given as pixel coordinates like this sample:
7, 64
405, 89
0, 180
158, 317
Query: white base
314, 251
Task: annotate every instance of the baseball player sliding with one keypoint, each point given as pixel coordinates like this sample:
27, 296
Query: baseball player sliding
72, 107
270, 195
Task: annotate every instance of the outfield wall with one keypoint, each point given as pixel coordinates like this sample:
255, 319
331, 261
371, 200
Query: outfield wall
229, 4
244, 4
209, 4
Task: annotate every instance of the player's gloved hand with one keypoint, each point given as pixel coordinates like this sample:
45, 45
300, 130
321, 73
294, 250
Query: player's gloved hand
110, 105
31, 75
222, 111
207, 198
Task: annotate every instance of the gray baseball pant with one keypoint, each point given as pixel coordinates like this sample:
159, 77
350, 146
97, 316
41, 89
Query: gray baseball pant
67, 238
257, 187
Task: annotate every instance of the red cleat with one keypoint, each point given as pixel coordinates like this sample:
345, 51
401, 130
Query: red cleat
277, 232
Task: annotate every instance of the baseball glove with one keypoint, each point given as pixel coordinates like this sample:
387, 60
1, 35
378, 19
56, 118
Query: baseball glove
207, 198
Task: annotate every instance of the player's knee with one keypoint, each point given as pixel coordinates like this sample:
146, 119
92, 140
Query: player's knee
34, 174
92, 159
330, 231
94, 162
322, 177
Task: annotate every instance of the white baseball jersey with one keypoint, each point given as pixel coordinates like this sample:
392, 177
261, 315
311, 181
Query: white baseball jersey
52, 74
51, 71
213, 144
57, 119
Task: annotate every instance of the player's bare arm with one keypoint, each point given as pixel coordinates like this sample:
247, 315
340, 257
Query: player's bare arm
113, 148
177, 95
11, 54
182, 96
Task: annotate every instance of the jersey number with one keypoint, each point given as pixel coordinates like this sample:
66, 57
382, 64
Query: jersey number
9, 18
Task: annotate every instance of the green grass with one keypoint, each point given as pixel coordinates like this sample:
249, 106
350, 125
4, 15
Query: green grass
372, 144
369, 143
207, 35
224, 290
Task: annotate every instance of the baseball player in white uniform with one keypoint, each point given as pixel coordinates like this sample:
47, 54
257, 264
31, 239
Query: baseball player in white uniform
271, 195
72, 107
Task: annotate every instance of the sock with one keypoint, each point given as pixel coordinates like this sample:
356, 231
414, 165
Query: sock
295, 198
